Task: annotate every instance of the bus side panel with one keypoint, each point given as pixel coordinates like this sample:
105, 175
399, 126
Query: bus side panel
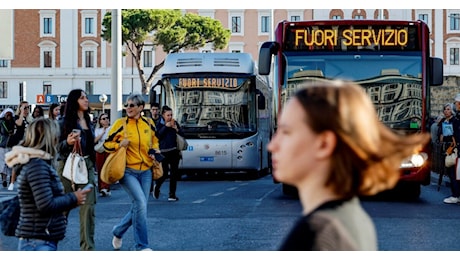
221, 155
207, 154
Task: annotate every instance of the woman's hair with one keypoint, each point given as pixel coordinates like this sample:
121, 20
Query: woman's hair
50, 112
18, 109
164, 109
137, 99
40, 111
451, 108
99, 125
43, 134
71, 112
368, 154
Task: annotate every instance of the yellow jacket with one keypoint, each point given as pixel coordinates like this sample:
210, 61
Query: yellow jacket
141, 135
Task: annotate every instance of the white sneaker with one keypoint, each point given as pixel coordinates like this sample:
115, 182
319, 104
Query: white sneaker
11, 186
451, 200
116, 242
146, 249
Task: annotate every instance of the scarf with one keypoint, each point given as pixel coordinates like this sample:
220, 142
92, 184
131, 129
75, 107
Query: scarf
22, 155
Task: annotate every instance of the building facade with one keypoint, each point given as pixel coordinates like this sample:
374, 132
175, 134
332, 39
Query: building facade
58, 50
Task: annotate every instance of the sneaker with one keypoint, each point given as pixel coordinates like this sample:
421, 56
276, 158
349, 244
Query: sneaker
146, 249
173, 198
156, 192
11, 186
4, 183
116, 242
104, 193
451, 200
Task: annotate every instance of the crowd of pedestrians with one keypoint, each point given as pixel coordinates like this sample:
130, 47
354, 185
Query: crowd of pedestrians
326, 197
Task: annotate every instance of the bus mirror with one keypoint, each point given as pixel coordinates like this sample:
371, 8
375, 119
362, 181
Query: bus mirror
436, 72
261, 102
265, 56
153, 92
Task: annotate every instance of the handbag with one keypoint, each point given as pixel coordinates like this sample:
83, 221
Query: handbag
75, 166
157, 170
451, 159
99, 147
9, 217
182, 144
114, 166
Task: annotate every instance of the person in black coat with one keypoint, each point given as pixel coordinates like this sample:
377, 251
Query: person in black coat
42, 223
167, 128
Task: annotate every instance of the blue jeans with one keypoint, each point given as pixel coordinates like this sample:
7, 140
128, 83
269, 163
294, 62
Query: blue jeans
137, 184
33, 244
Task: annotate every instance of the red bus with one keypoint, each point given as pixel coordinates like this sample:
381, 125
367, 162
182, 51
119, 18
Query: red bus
389, 59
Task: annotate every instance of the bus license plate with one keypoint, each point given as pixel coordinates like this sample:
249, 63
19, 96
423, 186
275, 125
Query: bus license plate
206, 159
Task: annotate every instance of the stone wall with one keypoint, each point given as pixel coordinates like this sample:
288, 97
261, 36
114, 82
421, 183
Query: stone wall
441, 95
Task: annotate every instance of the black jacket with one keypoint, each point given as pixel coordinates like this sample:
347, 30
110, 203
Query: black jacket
43, 202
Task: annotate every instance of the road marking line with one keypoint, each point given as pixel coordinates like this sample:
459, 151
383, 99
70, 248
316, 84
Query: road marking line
232, 188
216, 194
199, 201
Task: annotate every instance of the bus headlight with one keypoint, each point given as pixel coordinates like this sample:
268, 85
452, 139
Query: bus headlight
415, 160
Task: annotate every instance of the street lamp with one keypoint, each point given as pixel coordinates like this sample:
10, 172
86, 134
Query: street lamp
103, 99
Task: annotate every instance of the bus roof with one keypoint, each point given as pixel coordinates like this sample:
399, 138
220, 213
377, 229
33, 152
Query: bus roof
208, 62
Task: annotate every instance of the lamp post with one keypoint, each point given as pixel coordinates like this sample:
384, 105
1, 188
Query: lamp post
103, 99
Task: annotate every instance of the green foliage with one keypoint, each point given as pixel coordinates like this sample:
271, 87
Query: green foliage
169, 29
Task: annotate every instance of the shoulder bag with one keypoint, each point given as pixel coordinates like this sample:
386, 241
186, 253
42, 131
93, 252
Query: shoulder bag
451, 154
114, 166
182, 144
75, 166
157, 169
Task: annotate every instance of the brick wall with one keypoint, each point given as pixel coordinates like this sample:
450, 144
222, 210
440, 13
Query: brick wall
441, 95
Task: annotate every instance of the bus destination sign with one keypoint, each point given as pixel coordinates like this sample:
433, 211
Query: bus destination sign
346, 38
228, 83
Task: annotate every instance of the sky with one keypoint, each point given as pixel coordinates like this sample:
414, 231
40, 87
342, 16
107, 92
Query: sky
233, 4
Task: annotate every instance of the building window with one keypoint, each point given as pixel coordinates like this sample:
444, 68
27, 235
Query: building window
47, 50
359, 17
265, 24
454, 57
47, 59
236, 24
89, 59
3, 63
148, 59
336, 17
3, 89
47, 23
454, 19
423, 17
88, 24
47, 88
206, 51
89, 87
295, 18
236, 51
88, 54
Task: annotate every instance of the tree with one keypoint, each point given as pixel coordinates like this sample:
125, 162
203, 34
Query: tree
170, 29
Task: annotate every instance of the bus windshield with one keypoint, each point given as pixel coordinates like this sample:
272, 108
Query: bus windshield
214, 107
393, 82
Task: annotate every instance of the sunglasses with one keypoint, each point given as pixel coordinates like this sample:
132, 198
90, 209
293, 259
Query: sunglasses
130, 105
104, 118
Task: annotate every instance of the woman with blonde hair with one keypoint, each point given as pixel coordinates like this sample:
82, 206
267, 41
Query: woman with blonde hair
332, 147
42, 223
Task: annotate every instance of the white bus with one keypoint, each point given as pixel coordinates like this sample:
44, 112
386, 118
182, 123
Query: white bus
224, 109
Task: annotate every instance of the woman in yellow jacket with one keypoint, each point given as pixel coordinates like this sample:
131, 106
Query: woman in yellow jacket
137, 134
